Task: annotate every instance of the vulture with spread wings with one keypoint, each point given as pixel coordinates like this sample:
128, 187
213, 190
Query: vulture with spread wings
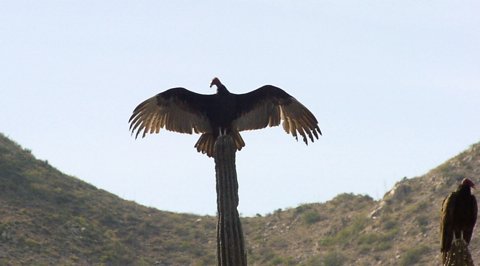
459, 215
183, 111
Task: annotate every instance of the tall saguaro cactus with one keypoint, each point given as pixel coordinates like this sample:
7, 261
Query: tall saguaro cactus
230, 242
180, 110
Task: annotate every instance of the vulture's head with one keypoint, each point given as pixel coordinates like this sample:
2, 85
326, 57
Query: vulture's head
468, 182
216, 82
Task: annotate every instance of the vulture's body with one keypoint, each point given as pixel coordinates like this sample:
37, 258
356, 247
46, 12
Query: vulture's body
459, 214
181, 110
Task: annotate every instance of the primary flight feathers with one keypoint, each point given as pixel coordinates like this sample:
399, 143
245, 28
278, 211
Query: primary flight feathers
183, 111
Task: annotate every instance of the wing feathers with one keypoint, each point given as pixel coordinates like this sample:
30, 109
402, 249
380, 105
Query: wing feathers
274, 119
268, 106
472, 220
184, 111
446, 227
176, 110
299, 120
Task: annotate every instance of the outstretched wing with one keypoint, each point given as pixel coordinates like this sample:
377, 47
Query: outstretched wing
268, 106
446, 223
176, 109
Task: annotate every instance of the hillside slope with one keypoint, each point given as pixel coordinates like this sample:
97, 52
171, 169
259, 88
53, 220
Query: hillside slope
49, 218
400, 229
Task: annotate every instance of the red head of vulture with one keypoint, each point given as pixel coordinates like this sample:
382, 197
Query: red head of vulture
459, 214
183, 111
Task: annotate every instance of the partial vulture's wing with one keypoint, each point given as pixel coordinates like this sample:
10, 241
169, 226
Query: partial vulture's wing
446, 223
467, 234
176, 110
269, 105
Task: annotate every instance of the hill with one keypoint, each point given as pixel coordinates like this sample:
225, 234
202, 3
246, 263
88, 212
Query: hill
48, 218
400, 229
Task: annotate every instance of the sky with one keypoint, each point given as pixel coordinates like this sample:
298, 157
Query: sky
395, 86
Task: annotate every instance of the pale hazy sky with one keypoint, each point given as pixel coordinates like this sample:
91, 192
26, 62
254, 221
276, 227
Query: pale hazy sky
395, 86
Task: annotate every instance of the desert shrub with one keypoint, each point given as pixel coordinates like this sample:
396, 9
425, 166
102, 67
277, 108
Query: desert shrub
413, 255
418, 207
334, 258
422, 220
389, 223
376, 241
311, 217
207, 260
300, 209
313, 261
348, 233
282, 261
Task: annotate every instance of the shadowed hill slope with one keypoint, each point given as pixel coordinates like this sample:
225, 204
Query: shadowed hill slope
49, 218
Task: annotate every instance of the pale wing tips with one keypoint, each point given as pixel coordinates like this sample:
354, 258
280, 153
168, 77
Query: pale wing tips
155, 113
144, 118
134, 124
298, 120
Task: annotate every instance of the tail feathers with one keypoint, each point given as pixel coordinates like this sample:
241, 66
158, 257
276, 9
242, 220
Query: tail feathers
239, 143
206, 143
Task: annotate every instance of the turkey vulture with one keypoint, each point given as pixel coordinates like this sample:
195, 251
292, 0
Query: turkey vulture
183, 111
459, 214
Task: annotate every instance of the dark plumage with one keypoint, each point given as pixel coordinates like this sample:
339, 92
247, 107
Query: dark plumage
183, 111
459, 214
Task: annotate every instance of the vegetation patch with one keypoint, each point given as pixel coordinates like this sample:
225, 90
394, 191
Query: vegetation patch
347, 234
413, 255
311, 217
